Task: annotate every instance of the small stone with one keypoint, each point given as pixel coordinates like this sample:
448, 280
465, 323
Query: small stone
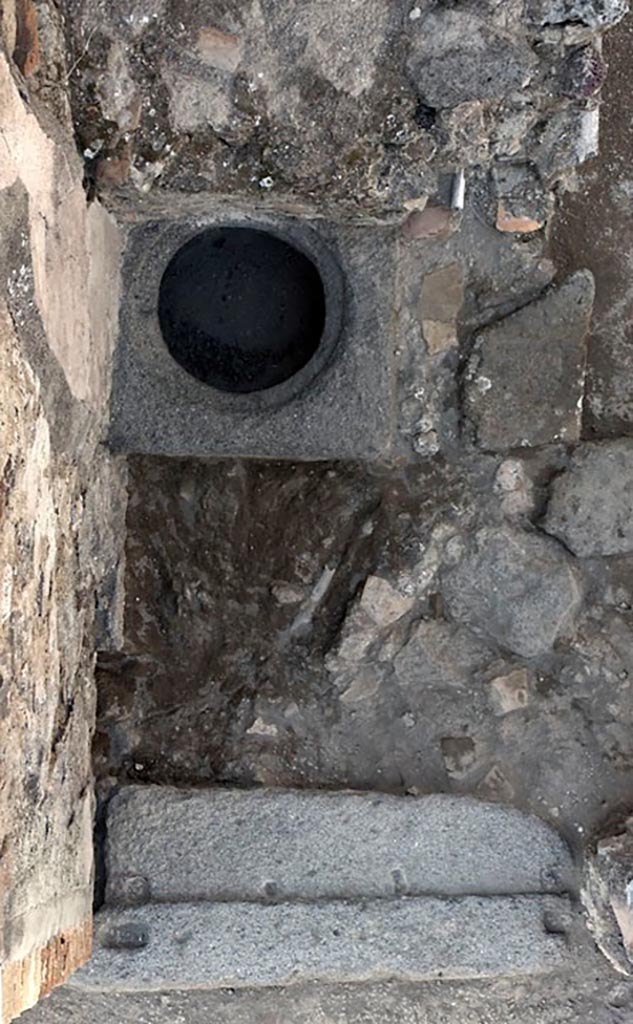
607, 894
439, 336
364, 686
517, 223
583, 73
515, 487
523, 201
442, 294
383, 603
516, 587
287, 593
131, 890
125, 935
263, 729
534, 364
459, 755
591, 504
511, 692
222, 50
496, 786
432, 222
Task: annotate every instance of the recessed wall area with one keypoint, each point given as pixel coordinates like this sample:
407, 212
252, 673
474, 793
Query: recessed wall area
241, 309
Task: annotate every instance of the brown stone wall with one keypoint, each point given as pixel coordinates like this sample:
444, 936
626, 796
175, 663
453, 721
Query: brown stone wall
61, 509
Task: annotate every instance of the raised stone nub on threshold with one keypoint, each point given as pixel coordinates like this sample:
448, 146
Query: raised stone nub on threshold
246, 945
262, 845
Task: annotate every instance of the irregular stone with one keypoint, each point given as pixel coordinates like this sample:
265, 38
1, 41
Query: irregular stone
242, 945
459, 754
561, 142
596, 13
383, 603
26, 52
197, 102
439, 336
222, 50
591, 503
607, 894
523, 202
525, 378
516, 587
582, 73
223, 844
432, 222
442, 294
438, 654
123, 934
511, 692
515, 487
456, 57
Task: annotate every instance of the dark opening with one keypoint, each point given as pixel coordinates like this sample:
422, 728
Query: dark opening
240, 309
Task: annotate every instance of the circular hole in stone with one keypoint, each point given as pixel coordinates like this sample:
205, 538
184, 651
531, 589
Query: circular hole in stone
241, 309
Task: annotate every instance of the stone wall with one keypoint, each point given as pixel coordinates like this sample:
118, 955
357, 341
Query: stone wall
61, 514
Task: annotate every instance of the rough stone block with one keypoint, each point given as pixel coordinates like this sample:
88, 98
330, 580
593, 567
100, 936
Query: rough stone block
608, 896
343, 408
596, 13
266, 844
240, 945
525, 378
591, 505
514, 586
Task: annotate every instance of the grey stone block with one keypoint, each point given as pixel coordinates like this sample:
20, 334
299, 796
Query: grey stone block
514, 586
591, 504
335, 407
270, 844
586, 994
525, 378
223, 945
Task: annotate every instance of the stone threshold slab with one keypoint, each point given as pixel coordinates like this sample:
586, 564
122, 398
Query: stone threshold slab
159, 947
252, 845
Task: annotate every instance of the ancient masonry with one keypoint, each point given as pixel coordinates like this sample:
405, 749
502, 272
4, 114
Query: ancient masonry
316, 657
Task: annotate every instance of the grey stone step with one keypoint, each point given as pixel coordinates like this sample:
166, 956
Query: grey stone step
247, 945
585, 994
220, 844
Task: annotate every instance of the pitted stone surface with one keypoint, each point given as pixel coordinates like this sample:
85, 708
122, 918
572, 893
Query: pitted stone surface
270, 844
588, 12
243, 945
591, 507
525, 380
516, 587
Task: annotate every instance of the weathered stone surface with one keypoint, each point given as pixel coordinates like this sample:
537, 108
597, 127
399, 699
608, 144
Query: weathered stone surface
442, 294
458, 57
522, 204
511, 692
584, 993
273, 844
591, 504
589, 12
61, 519
525, 378
247, 945
515, 587
607, 894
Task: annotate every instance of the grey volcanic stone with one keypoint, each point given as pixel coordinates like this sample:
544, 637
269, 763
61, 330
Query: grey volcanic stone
585, 994
591, 507
525, 379
596, 13
219, 945
271, 844
338, 405
457, 56
514, 586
